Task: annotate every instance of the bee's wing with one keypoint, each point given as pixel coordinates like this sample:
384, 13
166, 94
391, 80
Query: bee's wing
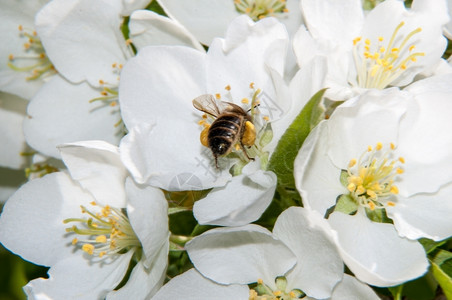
231, 107
208, 104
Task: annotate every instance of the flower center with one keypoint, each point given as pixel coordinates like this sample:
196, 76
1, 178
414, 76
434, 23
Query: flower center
106, 232
370, 179
109, 96
38, 170
264, 292
259, 9
379, 65
33, 59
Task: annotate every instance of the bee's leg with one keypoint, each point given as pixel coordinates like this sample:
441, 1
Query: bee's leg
244, 151
216, 161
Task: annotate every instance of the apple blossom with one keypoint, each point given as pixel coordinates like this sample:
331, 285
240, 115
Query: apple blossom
387, 47
208, 19
156, 92
24, 66
375, 159
281, 264
89, 63
88, 225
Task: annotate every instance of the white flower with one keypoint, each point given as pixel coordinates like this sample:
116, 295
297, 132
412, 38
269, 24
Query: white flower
193, 286
156, 92
378, 151
81, 102
208, 19
282, 264
24, 67
387, 47
88, 226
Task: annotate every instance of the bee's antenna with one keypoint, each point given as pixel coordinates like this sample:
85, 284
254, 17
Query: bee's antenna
255, 106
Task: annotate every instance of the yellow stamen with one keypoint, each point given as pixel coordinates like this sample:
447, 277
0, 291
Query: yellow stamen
101, 239
394, 190
379, 146
88, 248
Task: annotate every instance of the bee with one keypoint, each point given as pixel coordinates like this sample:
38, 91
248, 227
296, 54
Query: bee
232, 126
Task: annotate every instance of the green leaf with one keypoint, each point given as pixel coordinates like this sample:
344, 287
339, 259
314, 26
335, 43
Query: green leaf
423, 288
443, 257
155, 7
430, 245
443, 279
442, 271
281, 162
175, 210
396, 291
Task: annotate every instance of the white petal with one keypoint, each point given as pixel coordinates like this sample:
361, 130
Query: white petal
13, 14
364, 121
206, 19
31, 224
294, 18
308, 81
240, 255
130, 5
148, 214
159, 85
310, 238
239, 202
12, 139
143, 283
83, 39
375, 253
427, 156
352, 289
61, 113
97, 167
316, 178
423, 215
78, 277
338, 22
148, 28
193, 286
181, 166
245, 56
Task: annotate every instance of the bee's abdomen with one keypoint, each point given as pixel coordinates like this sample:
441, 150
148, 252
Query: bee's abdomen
223, 134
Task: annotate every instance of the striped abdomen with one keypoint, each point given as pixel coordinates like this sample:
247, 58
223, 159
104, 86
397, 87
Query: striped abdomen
224, 133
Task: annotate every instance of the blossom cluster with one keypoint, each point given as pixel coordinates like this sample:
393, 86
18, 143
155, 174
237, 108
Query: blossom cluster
235, 149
